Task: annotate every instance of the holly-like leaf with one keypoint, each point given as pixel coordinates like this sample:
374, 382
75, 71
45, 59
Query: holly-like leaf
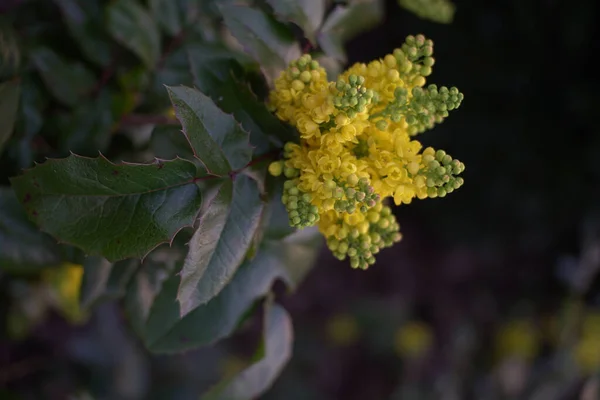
272, 356
214, 75
167, 14
85, 24
307, 14
269, 42
67, 82
218, 247
345, 22
103, 280
113, 210
217, 139
289, 260
133, 26
23, 247
9, 103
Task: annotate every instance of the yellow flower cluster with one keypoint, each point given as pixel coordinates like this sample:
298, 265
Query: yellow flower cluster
356, 146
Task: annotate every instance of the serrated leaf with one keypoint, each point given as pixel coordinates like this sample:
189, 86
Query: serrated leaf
167, 14
132, 26
167, 142
269, 42
289, 260
9, 102
214, 76
272, 355
113, 210
345, 22
23, 247
218, 247
217, 139
86, 26
67, 82
307, 14
103, 280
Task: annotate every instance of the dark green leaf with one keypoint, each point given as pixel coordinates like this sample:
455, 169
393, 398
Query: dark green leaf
9, 51
440, 11
307, 14
218, 247
288, 260
113, 210
167, 14
214, 76
84, 21
32, 105
9, 103
68, 82
217, 138
270, 43
345, 22
87, 129
132, 26
272, 355
167, 142
22, 246
105, 280
142, 291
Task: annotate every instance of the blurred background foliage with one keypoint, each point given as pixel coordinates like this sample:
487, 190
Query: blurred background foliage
492, 294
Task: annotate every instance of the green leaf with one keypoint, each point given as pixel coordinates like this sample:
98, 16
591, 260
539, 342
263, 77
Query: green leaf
23, 247
9, 103
67, 82
307, 14
103, 280
142, 291
32, 104
218, 247
86, 26
214, 76
113, 210
269, 42
289, 260
440, 11
345, 22
9, 50
217, 139
132, 26
87, 128
167, 142
167, 14
272, 355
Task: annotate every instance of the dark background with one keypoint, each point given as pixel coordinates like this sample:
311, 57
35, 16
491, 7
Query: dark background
496, 248
519, 240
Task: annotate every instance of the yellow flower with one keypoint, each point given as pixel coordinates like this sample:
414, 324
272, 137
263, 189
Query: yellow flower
357, 149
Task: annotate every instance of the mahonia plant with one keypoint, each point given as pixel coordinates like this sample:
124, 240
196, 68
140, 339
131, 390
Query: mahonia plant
357, 146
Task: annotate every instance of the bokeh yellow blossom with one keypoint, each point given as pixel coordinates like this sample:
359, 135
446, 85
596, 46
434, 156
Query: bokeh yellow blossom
518, 338
413, 339
356, 146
